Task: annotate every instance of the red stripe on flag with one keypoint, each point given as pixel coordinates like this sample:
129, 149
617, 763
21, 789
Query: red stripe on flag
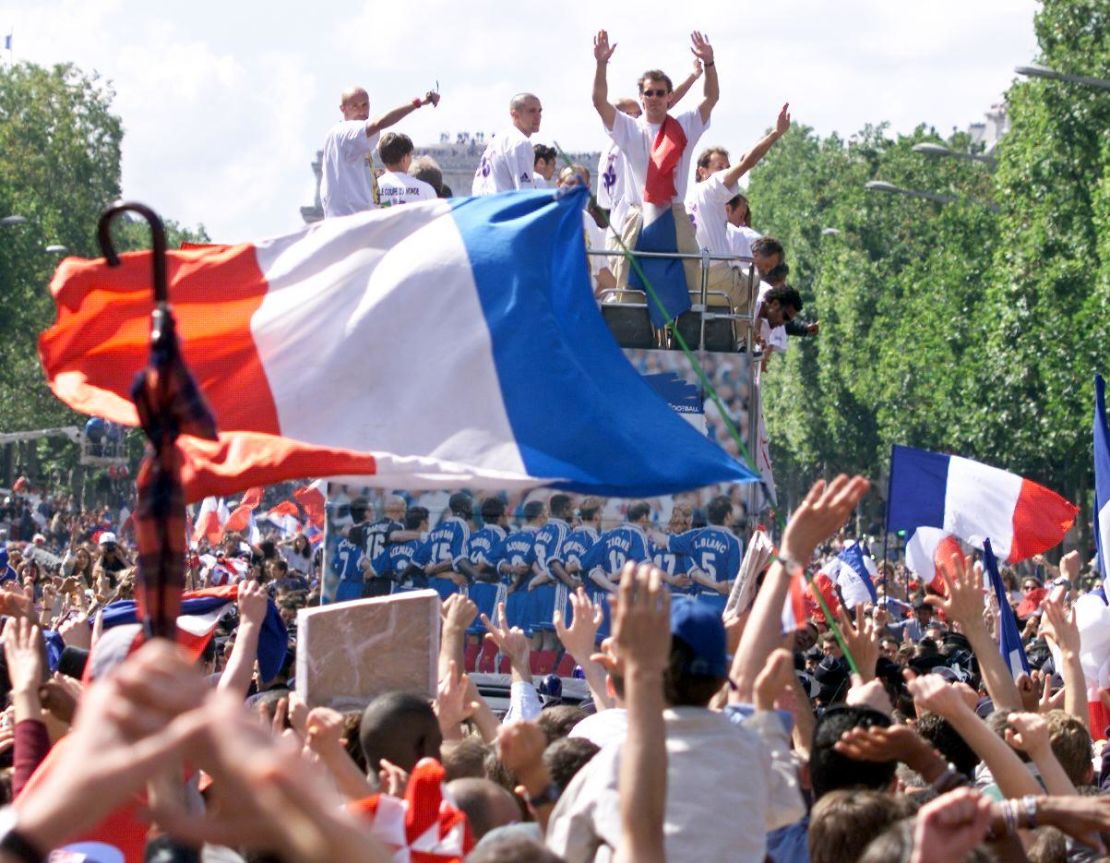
224, 466
101, 335
1041, 519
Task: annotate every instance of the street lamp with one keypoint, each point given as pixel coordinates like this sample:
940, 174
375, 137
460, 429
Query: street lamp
56, 249
830, 232
927, 149
891, 189
8, 221
1037, 71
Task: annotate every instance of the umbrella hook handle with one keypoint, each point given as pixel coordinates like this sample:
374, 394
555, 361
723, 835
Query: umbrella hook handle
158, 237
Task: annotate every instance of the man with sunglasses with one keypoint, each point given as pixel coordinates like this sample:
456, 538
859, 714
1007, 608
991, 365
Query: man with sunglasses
658, 150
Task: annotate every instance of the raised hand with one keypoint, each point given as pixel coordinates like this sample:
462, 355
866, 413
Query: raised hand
821, 514
641, 619
950, 826
602, 49
701, 48
252, 602
511, 641
458, 613
782, 126
580, 637
1059, 625
933, 693
451, 704
432, 98
1028, 732
862, 640
22, 651
964, 603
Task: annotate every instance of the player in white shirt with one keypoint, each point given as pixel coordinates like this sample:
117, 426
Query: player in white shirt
347, 186
740, 233
395, 186
717, 184
509, 161
775, 307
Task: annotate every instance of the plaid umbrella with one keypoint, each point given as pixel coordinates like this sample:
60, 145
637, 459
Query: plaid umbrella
169, 404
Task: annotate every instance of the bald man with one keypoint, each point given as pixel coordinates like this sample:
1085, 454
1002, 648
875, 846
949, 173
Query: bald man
509, 160
347, 184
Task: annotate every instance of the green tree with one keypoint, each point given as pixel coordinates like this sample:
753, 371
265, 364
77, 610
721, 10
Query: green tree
59, 168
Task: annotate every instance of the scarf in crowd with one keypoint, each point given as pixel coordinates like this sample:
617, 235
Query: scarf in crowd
666, 153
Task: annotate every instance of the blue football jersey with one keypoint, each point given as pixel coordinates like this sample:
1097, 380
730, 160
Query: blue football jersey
577, 545
395, 558
714, 550
549, 542
480, 546
519, 547
345, 562
447, 541
616, 547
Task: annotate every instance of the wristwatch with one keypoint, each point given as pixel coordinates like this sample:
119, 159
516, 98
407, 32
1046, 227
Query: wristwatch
14, 843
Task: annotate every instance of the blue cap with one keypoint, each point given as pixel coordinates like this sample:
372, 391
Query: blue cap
700, 627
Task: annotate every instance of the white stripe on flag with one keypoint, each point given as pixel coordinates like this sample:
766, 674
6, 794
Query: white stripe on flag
979, 504
336, 299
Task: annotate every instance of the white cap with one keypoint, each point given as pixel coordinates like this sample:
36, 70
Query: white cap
107, 538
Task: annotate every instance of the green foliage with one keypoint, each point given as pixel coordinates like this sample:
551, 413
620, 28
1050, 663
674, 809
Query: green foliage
949, 326
59, 169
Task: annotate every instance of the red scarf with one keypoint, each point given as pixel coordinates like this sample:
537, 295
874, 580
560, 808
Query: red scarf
666, 153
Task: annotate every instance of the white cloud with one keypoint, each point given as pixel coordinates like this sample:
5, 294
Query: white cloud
225, 104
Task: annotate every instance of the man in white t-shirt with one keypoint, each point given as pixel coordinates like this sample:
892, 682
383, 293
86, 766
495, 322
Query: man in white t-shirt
658, 149
717, 184
739, 231
509, 161
395, 185
347, 183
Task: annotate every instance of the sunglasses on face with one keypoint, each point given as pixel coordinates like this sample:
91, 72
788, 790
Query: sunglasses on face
659, 93
1029, 587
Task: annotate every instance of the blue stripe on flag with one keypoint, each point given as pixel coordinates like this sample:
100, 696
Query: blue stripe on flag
666, 275
1102, 477
580, 413
918, 484
853, 578
1010, 641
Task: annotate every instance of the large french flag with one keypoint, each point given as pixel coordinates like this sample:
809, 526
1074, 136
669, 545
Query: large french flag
1102, 478
440, 345
975, 502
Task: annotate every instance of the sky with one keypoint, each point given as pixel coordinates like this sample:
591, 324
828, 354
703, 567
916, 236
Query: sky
224, 104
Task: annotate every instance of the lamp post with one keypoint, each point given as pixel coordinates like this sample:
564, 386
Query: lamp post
830, 232
56, 249
1037, 71
891, 189
941, 151
9, 221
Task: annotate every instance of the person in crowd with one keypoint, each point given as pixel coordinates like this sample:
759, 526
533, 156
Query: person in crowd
716, 185
546, 161
508, 162
396, 185
427, 170
347, 184
658, 149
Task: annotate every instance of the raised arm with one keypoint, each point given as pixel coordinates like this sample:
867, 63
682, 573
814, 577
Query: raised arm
964, 605
704, 52
683, 88
384, 121
641, 632
751, 158
602, 52
822, 512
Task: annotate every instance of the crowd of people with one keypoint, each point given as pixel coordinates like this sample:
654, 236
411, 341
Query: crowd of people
895, 730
